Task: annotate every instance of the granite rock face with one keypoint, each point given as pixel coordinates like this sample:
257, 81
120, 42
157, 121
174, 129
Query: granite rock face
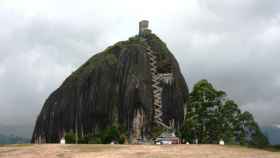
114, 88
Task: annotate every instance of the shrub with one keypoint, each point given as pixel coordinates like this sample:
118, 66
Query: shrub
70, 138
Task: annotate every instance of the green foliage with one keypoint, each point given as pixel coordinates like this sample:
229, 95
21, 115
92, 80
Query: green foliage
111, 134
252, 130
274, 148
134, 39
211, 117
70, 138
105, 137
156, 131
107, 58
156, 43
95, 140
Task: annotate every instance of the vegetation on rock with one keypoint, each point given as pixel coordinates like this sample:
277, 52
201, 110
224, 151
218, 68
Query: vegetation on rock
106, 136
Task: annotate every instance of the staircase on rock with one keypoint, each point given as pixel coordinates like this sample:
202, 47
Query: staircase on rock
157, 90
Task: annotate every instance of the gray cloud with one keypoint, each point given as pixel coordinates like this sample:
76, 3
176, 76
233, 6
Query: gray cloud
232, 44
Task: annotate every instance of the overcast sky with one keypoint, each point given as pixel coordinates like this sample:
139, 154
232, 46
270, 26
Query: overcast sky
233, 43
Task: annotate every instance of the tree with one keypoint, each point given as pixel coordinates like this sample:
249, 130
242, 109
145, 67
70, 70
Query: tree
251, 130
106, 136
211, 116
228, 115
112, 134
202, 118
70, 138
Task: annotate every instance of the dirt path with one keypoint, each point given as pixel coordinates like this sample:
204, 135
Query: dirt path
132, 151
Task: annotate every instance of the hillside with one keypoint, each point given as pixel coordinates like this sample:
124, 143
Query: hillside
22, 130
115, 89
11, 139
273, 134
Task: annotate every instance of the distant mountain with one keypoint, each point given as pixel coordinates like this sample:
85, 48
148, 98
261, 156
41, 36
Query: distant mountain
24, 131
13, 139
273, 134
